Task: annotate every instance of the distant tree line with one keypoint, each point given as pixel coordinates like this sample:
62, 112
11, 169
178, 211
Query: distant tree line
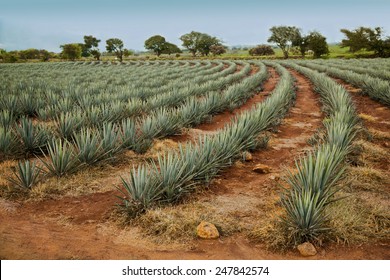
287, 38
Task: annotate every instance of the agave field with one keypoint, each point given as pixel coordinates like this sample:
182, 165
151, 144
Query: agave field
124, 160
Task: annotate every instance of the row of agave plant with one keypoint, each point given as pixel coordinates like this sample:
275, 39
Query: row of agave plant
17, 93
315, 182
27, 138
179, 171
88, 146
361, 68
376, 88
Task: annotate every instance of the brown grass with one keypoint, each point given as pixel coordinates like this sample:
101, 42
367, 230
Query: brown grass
178, 223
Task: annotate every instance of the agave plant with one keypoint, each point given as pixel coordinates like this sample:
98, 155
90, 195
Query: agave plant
67, 123
33, 138
61, 158
110, 136
141, 189
88, 146
25, 175
8, 141
305, 219
7, 119
173, 175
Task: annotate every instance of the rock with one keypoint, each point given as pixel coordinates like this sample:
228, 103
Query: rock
262, 169
207, 230
248, 156
307, 249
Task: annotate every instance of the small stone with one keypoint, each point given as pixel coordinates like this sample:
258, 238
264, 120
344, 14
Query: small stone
248, 156
262, 168
307, 249
207, 230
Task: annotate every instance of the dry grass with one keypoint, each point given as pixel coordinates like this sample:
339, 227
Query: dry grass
368, 118
379, 135
371, 153
178, 223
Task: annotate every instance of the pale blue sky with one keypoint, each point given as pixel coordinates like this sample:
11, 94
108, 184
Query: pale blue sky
45, 24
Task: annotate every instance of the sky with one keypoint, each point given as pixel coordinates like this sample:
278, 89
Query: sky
45, 24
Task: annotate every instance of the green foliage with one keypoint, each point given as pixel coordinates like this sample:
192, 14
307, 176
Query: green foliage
115, 45
262, 50
25, 175
317, 43
156, 43
366, 38
90, 47
171, 48
71, 51
199, 42
283, 36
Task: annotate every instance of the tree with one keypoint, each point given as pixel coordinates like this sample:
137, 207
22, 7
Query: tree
171, 48
317, 43
199, 42
191, 41
156, 43
206, 42
300, 42
356, 39
95, 53
366, 38
283, 36
90, 47
71, 51
127, 52
217, 49
115, 45
262, 50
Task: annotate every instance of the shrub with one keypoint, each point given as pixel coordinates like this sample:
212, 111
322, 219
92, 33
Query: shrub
261, 50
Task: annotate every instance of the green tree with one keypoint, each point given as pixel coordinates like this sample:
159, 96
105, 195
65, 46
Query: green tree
300, 42
283, 36
206, 42
90, 47
191, 41
71, 51
199, 42
366, 38
317, 43
95, 53
171, 48
356, 39
156, 43
115, 45
127, 52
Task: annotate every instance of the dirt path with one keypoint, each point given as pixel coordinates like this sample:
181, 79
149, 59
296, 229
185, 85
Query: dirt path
80, 228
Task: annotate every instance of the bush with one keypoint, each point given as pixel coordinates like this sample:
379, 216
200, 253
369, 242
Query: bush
262, 50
